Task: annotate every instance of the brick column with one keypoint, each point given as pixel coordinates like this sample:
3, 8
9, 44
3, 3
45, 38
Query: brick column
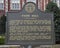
42, 5
8, 5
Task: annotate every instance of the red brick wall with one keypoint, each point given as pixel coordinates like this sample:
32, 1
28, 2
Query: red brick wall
43, 4
8, 5
21, 3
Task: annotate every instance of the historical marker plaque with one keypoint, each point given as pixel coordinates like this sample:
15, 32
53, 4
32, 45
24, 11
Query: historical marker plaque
29, 26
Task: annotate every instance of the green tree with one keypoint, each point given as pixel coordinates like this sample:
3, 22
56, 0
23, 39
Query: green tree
2, 29
2, 24
52, 7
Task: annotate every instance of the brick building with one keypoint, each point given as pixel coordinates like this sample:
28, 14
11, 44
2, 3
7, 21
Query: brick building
16, 5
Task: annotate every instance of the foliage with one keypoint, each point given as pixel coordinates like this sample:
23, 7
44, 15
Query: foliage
2, 24
52, 7
2, 40
2, 28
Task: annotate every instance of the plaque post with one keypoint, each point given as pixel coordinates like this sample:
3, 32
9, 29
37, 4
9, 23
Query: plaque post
28, 46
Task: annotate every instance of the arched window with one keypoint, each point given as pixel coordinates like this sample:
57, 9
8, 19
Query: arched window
31, 1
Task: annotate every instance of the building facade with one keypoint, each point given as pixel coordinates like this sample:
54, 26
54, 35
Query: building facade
16, 5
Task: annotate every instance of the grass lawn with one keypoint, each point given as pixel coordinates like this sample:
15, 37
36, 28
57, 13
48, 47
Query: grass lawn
2, 40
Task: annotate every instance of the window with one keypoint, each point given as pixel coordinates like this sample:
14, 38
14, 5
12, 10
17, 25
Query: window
31, 1
15, 4
1, 4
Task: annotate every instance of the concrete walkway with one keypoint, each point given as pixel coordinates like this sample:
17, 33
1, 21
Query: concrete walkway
41, 46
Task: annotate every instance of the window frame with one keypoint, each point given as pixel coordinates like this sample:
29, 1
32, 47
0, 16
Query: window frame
15, 7
2, 6
32, 1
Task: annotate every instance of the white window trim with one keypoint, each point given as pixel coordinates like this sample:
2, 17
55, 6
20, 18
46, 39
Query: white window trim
14, 2
31, 1
2, 1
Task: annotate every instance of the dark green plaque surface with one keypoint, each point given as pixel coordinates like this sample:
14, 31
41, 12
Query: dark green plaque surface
30, 26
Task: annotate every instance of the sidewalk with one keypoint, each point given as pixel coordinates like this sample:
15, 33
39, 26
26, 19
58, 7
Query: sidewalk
41, 46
